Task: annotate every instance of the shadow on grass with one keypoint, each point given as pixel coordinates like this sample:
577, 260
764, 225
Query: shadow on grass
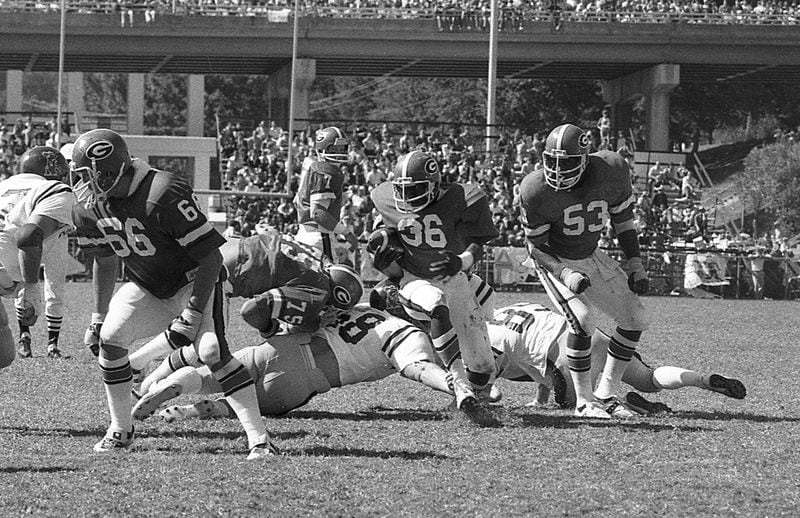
323, 451
563, 422
377, 413
31, 469
736, 416
49, 432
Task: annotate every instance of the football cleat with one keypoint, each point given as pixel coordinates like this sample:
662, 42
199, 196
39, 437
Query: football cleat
592, 410
24, 346
616, 408
153, 399
471, 409
114, 441
54, 353
726, 386
205, 409
263, 450
640, 405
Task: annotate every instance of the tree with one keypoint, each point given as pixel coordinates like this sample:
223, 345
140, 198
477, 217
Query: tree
771, 181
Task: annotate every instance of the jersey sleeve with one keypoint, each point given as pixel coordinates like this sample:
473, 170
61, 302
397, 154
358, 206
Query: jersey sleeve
90, 239
535, 224
179, 216
621, 208
55, 202
476, 224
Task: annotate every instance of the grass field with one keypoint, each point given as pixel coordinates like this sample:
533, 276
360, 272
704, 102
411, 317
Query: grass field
389, 448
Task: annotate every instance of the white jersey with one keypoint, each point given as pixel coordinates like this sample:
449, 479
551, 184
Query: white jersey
23, 196
522, 335
370, 344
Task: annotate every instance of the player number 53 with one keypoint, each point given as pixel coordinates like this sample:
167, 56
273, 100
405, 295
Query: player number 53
593, 219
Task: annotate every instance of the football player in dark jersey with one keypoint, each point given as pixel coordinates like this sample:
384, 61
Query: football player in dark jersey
319, 196
441, 230
150, 220
566, 206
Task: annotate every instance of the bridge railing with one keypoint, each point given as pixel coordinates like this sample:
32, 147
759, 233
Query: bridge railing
524, 14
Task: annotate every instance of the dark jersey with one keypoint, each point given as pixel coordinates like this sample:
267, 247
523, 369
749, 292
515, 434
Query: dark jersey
321, 185
459, 216
262, 262
158, 231
571, 221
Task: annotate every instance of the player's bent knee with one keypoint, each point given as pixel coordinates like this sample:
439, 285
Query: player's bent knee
440, 313
210, 354
112, 352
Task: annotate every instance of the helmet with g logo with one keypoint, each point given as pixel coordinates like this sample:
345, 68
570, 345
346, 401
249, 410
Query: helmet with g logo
346, 286
332, 145
416, 181
565, 156
100, 158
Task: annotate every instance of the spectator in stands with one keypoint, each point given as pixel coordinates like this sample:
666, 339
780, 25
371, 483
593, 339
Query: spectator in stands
604, 127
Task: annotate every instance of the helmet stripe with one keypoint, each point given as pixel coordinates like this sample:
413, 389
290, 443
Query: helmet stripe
560, 136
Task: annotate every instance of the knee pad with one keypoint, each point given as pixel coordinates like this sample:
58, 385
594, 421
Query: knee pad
210, 353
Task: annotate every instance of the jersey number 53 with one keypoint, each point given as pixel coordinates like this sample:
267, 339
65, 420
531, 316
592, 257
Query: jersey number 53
578, 220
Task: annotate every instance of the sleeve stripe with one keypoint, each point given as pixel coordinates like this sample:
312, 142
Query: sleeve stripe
56, 188
623, 205
397, 338
195, 234
319, 196
538, 231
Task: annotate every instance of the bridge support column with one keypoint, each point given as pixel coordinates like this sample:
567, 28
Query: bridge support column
75, 92
136, 104
280, 84
655, 84
195, 106
13, 92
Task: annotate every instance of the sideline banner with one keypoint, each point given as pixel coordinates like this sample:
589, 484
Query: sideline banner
705, 270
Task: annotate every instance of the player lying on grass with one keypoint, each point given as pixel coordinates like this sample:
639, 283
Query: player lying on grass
530, 344
361, 344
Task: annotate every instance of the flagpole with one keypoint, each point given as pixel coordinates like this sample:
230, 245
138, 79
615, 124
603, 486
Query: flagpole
291, 99
492, 86
57, 140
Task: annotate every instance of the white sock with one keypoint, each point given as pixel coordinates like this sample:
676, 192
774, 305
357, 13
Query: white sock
156, 348
675, 377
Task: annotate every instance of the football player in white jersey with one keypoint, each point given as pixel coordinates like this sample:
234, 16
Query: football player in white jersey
361, 344
34, 212
530, 343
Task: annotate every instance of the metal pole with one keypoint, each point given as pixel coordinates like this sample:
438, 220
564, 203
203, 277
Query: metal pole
57, 139
490, 96
291, 99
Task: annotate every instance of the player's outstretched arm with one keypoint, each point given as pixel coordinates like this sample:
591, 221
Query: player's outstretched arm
429, 374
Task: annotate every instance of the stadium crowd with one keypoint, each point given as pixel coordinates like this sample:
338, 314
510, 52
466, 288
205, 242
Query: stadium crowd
457, 15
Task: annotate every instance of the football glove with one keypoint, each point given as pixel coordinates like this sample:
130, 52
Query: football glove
638, 282
29, 305
449, 264
576, 281
183, 329
91, 338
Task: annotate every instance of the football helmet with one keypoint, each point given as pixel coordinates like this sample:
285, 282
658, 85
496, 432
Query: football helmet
346, 286
331, 145
44, 161
416, 181
100, 158
565, 156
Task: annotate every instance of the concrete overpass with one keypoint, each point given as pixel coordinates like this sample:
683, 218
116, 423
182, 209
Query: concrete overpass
631, 59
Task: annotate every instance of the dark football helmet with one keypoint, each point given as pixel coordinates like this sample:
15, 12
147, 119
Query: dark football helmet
331, 145
100, 158
44, 161
346, 286
416, 181
565, 156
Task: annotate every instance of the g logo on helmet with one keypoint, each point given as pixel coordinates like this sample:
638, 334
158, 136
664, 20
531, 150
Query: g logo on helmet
431, 167
99, 150
583, 140
342, 296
